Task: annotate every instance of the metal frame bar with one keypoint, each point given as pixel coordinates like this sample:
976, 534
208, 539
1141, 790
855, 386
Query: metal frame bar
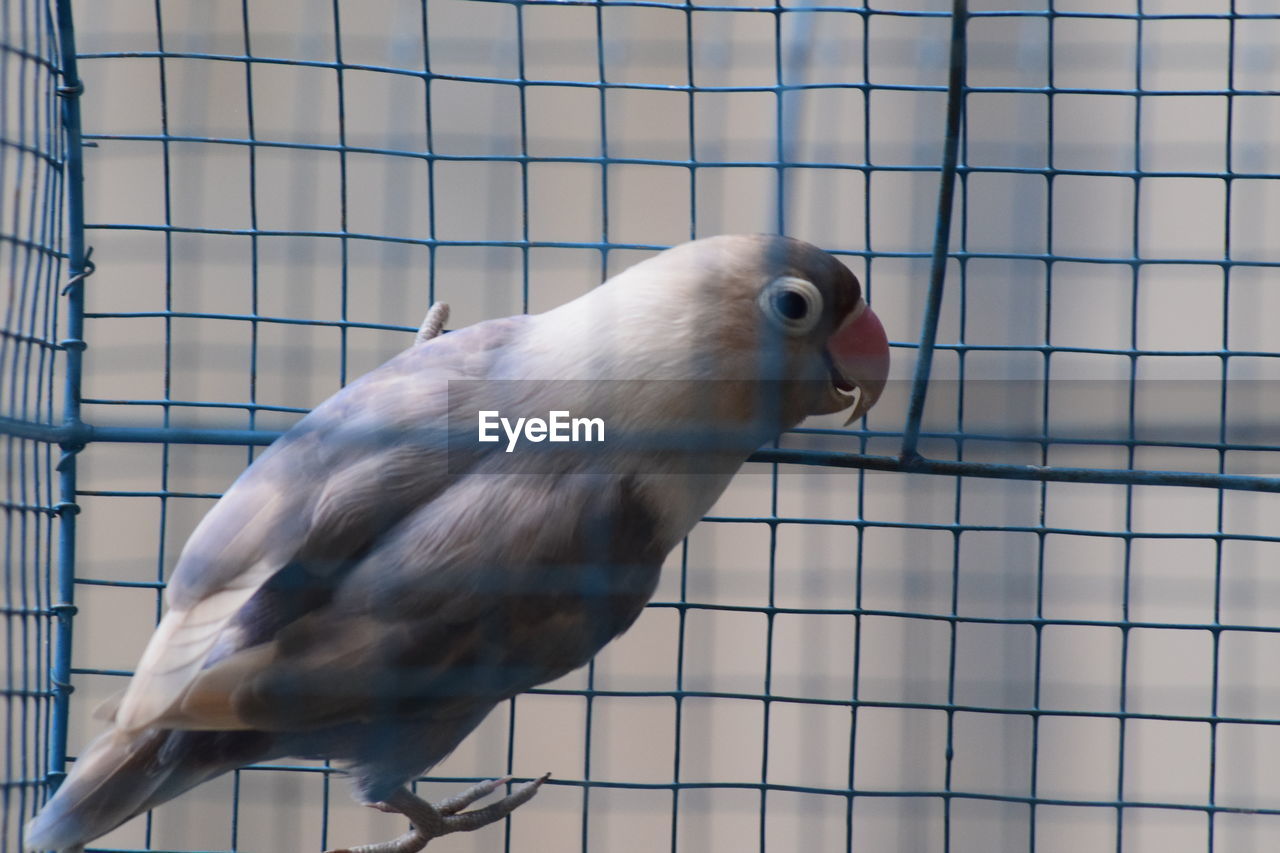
80, 267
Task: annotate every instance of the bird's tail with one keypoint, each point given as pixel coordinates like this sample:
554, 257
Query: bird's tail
124, 773
109, 783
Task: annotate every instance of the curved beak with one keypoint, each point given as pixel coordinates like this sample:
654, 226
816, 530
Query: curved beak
859, 351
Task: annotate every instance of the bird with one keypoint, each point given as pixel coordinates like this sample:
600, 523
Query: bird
380, 578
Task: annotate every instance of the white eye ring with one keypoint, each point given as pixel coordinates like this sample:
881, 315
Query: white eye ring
795, 316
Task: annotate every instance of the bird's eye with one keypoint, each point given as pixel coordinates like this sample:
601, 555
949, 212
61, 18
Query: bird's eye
793, 304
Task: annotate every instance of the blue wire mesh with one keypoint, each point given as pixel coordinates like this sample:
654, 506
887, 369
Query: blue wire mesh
299, 208
33, 155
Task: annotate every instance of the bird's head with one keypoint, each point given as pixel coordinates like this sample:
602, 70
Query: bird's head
787, 311
754, 327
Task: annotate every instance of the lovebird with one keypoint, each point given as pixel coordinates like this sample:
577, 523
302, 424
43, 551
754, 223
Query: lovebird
386, 573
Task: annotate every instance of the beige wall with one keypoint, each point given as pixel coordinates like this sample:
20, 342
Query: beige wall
1076, 573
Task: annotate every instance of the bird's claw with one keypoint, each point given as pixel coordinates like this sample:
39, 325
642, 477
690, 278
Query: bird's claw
478, 791
453, 819
433, 323
431, 821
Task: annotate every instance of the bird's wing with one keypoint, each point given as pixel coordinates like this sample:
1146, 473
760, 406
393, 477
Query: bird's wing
501, 583
311, 505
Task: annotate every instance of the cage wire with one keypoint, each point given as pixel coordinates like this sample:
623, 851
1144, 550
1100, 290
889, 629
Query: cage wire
33, 154
1032, 610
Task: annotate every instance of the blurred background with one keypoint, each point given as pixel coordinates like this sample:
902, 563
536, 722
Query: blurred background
837, 659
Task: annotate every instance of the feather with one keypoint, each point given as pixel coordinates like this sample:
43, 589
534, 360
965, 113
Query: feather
181, 644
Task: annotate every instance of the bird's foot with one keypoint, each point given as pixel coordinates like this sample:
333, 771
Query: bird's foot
431, 821
433, 323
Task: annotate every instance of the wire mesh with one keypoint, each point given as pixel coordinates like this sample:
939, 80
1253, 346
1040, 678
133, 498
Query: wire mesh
1062, 658
32, 163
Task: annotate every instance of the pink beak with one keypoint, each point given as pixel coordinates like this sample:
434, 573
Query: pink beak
859, 349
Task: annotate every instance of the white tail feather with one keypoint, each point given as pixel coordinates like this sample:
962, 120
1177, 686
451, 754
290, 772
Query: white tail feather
175, 655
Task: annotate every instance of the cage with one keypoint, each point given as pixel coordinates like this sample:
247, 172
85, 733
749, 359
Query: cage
1028, 604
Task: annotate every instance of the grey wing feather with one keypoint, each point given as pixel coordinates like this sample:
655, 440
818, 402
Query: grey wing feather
444, 615
323, 493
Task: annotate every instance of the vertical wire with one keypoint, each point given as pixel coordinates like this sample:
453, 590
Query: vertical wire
58, 228
691, 114
72, 345
28, 297
27, 285
780, 205
855, 692
1126, 594
790, 75
682, 613
429, 139
9, 346
789, 68
20, 501
167, 387
942, 229
770, 617
601, 79
13, 485
779, 125
254, 258
247, 49
428, 78
15, 404
956, 143
60, 188
344, 240
1224, 378
521, 91
1046, 376
511, 760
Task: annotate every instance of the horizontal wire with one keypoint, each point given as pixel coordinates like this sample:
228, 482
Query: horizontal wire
677, 88
869, 166
86, 433
882, 704
867, 12
873, 254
